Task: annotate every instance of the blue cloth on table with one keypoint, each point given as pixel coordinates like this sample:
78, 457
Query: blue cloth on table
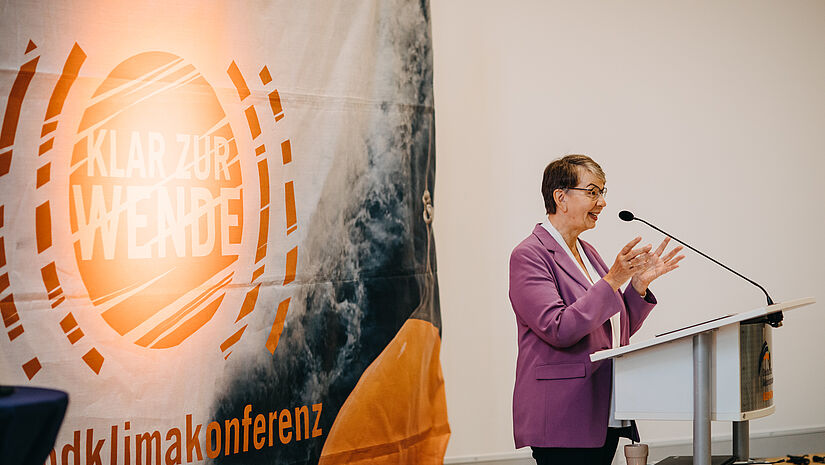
29, 421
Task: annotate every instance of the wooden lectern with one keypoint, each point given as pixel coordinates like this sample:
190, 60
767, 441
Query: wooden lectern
715, 370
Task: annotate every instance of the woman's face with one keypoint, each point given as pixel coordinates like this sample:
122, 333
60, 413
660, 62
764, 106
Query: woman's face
582, 209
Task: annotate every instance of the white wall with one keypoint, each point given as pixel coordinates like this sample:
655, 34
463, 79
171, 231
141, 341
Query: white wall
709, 120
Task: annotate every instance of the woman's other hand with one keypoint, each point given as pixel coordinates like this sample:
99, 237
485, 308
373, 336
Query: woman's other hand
627, 263
655, 266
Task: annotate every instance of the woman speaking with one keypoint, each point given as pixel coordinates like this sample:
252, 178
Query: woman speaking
568, 304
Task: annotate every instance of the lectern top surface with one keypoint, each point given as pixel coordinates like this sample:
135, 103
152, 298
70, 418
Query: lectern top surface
702, 327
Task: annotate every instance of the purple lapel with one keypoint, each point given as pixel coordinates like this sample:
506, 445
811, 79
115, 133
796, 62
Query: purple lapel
561, 256
597, 264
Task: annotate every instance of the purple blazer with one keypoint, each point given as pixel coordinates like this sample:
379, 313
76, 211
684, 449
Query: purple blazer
561, 398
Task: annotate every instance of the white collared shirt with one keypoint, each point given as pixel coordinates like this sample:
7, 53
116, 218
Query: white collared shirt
615, 321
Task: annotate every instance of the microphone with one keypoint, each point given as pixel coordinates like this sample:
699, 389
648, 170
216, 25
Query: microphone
626, 215
774, 319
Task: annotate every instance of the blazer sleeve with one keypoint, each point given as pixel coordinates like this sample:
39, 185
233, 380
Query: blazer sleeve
638, 307
536, 300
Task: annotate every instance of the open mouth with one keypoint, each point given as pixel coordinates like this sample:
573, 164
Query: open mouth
593, 216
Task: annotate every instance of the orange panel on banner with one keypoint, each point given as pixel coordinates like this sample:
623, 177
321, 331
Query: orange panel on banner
397, 412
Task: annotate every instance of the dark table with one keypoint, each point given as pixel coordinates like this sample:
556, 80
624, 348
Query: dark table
29, 421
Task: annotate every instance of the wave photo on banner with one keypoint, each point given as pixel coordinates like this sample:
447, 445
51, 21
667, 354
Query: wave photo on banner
215, 229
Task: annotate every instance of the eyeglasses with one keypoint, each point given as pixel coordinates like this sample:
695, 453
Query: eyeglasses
592, 192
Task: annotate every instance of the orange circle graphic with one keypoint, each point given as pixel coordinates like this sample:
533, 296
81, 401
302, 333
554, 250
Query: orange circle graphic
156, 200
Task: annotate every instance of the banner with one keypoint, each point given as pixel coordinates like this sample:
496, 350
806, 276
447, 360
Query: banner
215, 229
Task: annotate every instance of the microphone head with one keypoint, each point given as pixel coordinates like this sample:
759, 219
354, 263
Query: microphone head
626, 215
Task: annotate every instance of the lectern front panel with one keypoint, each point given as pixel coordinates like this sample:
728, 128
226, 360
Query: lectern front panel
656, 383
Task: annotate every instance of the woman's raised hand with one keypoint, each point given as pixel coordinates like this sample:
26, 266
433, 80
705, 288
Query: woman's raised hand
628, 263
655, 266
